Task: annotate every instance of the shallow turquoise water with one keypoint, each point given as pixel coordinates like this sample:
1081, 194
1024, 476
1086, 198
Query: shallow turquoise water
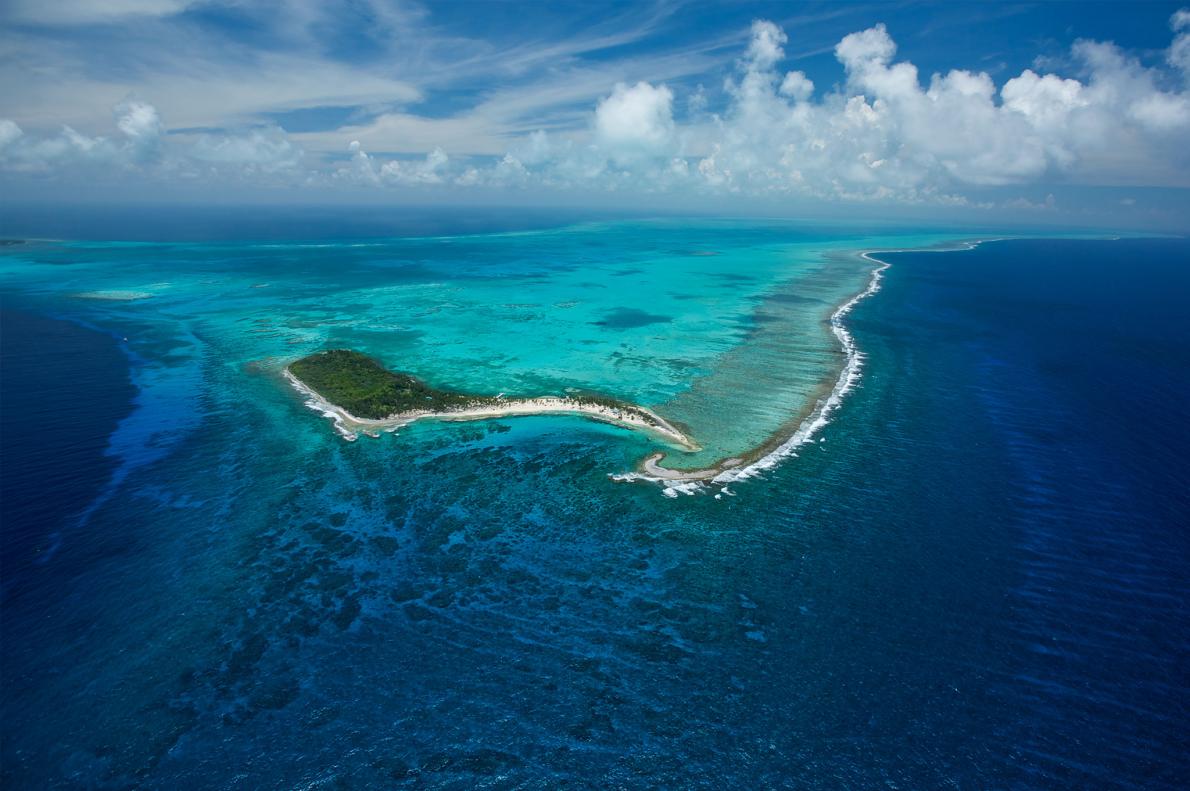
719, 325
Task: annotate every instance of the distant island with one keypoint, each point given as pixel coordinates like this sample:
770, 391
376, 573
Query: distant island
361, 395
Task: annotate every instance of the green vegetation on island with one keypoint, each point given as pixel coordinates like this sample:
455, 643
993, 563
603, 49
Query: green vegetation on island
365, 388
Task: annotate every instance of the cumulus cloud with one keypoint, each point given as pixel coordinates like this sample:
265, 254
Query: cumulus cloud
430, 170
141, 147
1046, 101
866, 50
141, 125
67, 149
888, 134
635, 120
765, 48
265, 148
797, 86
885, 134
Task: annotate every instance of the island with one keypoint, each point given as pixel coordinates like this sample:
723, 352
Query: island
362, 396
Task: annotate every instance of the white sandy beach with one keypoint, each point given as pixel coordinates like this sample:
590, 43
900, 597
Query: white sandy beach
349, 426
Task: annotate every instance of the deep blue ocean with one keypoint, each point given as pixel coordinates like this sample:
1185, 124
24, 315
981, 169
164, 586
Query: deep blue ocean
979, 577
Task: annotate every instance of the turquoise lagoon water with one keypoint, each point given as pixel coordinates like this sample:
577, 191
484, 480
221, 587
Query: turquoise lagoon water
721, 326
976, 576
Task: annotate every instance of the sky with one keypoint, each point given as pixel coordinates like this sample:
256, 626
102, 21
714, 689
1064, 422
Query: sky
1068, 113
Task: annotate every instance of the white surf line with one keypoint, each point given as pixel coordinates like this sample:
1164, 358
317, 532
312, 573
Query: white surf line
338, 416
846, 382
677, 482
349, 426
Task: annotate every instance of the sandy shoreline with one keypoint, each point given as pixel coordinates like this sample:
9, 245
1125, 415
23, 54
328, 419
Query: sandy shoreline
350, 427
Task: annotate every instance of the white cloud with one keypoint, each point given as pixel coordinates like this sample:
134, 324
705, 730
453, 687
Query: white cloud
405, 133
635, 120
364, 168
797, 86
867, 49
201, 74
266, 148
50, 153
10, 132
882, 133
885, 135
1179, 51
430, 170
141, 124
193, 93
144, 148
1162, 112
1045, 101
765, 48
560, 103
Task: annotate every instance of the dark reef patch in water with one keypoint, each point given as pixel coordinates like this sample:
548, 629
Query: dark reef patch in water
630, 318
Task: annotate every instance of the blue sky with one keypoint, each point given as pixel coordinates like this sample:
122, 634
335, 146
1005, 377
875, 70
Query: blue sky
1071, 111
